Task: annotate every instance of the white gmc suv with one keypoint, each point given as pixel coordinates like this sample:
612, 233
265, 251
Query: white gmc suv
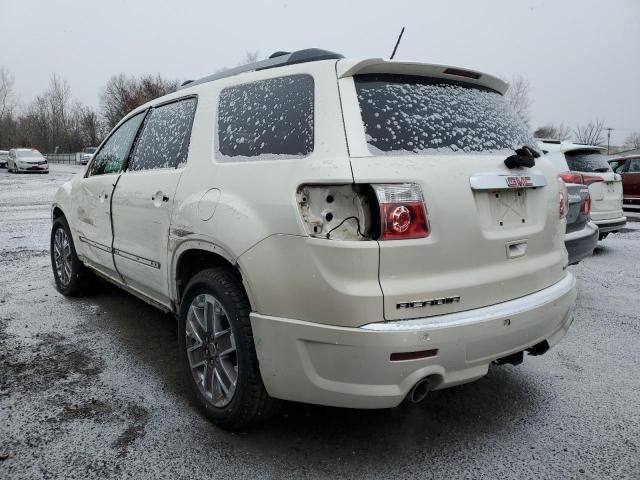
331, 231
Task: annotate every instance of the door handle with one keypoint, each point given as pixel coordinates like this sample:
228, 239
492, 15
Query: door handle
103, 197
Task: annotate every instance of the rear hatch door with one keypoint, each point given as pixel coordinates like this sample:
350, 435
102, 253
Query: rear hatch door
495, 233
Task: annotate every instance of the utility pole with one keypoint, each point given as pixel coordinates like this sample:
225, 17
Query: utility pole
609, 138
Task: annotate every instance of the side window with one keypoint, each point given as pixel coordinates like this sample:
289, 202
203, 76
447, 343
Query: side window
270, 118
116, 149
634, 165
164, 141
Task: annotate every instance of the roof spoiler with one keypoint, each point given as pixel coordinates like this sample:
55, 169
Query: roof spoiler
348, 68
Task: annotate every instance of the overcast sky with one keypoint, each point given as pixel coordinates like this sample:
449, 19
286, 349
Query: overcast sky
582, 57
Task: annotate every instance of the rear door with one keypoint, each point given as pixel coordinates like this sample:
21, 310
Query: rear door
92, 197
144, 197
494, 233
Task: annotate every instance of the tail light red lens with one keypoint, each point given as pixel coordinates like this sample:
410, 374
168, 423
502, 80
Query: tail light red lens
580, 178
589, 179
570, 177
585, 208
563, 198
402, 211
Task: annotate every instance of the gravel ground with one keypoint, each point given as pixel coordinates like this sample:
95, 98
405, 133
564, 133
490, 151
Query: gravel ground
91, 388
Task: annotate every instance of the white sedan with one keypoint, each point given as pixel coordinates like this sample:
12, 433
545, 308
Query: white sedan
27, 160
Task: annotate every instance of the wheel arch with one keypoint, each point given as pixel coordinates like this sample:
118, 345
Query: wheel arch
193, 256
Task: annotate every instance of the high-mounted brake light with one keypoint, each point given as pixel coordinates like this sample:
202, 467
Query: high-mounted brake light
563, 198
580, 178
402, 211
585, 207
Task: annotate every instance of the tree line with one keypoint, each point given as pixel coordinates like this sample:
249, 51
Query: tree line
56, 122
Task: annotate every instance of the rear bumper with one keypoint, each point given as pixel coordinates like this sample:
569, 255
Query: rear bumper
611, 224
580, 244
351, 367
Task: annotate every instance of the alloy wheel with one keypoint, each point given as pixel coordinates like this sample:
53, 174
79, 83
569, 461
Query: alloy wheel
211, 350
62, 256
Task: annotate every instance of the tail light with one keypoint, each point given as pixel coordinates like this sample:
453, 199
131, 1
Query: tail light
563, 197
585, 208
589, 179
580, 178
402, 211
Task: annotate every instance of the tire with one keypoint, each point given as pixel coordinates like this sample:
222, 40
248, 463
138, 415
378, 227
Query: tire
71, 276
220, 290
602, 236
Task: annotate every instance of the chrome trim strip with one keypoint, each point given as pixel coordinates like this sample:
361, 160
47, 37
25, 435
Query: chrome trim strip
136, 258
93, 243
492, 312
123, 254
498, 181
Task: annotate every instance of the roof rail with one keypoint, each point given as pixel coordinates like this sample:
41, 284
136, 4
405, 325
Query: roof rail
278, 59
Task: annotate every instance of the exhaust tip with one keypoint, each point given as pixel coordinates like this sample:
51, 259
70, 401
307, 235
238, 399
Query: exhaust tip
420, 390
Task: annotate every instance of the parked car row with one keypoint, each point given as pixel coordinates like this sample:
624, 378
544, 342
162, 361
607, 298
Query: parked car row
340, 232
596, 191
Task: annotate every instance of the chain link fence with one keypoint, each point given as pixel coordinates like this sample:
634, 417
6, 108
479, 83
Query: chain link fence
63, 157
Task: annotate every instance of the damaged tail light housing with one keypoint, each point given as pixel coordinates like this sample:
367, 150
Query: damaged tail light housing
403, 214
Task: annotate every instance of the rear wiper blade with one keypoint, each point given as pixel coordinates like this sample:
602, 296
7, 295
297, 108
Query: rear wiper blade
601, 170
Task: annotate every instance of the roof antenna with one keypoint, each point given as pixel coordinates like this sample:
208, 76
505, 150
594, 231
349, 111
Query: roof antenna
393, 54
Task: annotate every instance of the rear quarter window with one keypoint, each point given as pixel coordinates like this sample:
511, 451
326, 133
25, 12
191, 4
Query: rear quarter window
405, 114
267, 119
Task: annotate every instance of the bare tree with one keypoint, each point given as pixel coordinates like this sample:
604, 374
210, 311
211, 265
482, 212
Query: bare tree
590, 133
552, 131
7, 93
122, 94
518, 96
250, 57
8, 104
632, 141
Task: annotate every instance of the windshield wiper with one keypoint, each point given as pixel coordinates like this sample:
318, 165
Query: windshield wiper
601, 170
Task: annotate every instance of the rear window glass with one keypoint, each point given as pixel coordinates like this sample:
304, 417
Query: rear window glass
407, 114
587, 161
269, 119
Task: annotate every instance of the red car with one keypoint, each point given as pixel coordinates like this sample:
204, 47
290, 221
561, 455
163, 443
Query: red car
629, 168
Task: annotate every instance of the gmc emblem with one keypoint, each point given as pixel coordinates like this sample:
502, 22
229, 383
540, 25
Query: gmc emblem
519, 181
430, 303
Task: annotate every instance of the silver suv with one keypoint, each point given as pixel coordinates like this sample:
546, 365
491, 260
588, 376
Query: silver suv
339, 232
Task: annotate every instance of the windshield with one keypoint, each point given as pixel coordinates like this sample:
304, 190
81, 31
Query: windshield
587, 161
29, 154
420, 115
